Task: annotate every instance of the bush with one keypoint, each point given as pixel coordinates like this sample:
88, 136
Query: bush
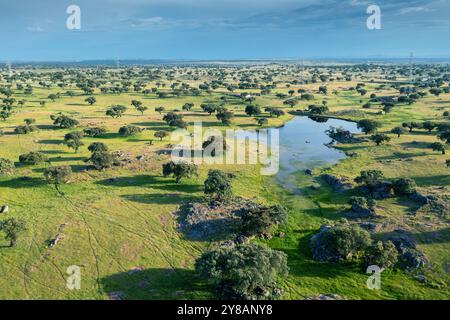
12, 228
102, 160
128, 131
243, 272
370, 178
57, 175
64, 121
98, 147
362, 202
94, 132
260, 220
24, 129
368, 126
179, 170
218, 184
33, 158
6, 166
404, 186
381, 254
339, 243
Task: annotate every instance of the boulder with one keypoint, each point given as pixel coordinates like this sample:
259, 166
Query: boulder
4, 209
325, 297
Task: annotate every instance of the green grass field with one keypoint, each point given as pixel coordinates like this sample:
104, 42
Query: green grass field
119, 225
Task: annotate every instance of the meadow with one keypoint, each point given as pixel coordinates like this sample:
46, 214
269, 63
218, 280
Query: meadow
119, 224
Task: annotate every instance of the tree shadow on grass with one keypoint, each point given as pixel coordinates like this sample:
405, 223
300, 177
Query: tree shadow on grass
402, 155
53, 151
158, 198
50, 141
61, 159
156, 284
441, 180
416, 145
47, 127
109, 135
154, 182
22, 182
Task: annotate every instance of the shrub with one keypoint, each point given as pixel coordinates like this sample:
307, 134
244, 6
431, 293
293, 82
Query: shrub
73, 140
6, 166
98, 147
379, 138
102, 160
57, 175
116, 111
12, 228
260, 220
161, 134
179, 170
339, 243
24, 129
243, 272
218, 184
64, 121
129, 130
33, 158
368, 126
370, 178
404, 186
381, 254
94, 132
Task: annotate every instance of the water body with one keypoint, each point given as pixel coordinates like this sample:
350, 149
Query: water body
303, 146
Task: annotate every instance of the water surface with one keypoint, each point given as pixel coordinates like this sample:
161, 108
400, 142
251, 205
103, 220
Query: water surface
303, 146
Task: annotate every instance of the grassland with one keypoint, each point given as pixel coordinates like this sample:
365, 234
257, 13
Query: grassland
119, 225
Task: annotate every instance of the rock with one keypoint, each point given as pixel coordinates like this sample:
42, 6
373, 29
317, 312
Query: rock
382, 190
360, 213
338, 184
402, 238
325, 297
410, 258
421, 278
179, 293
55, 241
135, 270
266, 235
117, 295
4, 209
281, 235
308, 172
420, 198
227, 244
371, 226
242, 239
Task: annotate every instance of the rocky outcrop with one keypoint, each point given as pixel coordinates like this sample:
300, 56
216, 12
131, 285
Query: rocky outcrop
338, 184
409, 257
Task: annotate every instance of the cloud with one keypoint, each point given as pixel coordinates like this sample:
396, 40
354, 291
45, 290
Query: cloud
35, 29
415, 9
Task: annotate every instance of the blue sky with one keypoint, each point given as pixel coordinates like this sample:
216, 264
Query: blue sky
222, 29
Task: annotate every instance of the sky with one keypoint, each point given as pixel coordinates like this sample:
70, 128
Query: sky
222, 29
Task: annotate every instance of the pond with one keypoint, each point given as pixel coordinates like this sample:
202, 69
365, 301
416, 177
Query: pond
303, 145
